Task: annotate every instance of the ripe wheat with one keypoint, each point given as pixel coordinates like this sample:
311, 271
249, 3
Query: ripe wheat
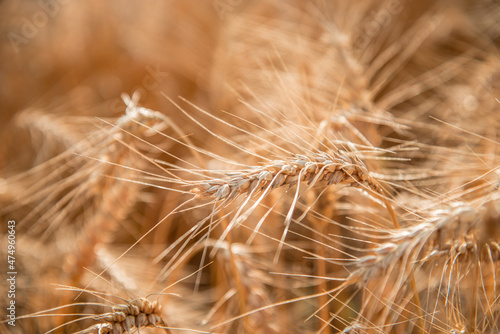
329, 167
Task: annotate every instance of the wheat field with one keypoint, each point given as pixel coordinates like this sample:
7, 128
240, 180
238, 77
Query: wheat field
263, 166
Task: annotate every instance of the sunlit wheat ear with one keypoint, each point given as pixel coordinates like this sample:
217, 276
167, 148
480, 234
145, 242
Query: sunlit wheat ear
320, 169
125, 315
328, 168
135, 314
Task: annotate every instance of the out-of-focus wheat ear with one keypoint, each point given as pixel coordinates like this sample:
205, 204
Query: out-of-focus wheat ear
116, 168
98, 189
238, 282
30, 255
407, 266
449, 253
240, 287
323, 230
462, 259
116, 165
254, 281
486, 14
72, 178
118, 199
53, 133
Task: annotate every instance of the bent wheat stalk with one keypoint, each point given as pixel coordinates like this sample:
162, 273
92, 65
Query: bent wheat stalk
328, 168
